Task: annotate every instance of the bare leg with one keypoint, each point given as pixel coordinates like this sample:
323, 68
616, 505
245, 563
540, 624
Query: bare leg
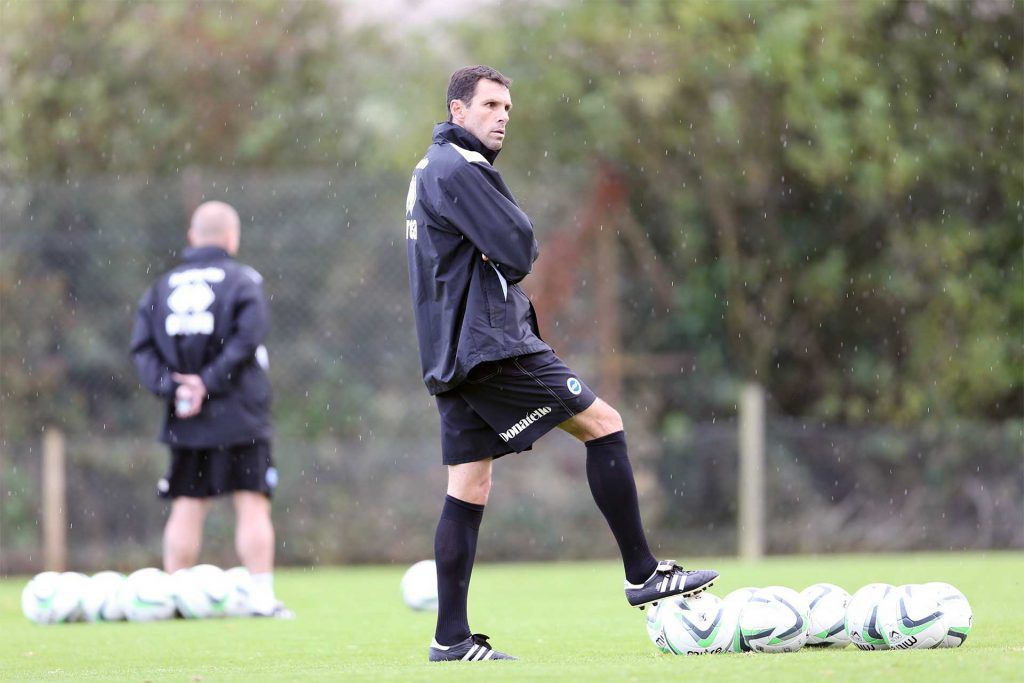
254, 532
600, 419
183, 534
254, 543
471, 482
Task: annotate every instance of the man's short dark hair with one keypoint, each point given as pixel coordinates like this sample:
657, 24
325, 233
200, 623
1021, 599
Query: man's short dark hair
463, 83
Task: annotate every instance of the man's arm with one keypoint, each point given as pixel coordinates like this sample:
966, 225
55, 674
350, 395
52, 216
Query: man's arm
491, 221
152, 369
249, 328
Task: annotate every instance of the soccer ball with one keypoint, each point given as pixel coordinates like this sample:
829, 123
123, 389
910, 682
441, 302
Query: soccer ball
775, 619
734, 602
698, 625
99, 603
862, 617
827, 611
53, 597
71, 588
419, 586
910, 618
201, 592
38, 596
237, 603
740, 596
147, 595
656, 625
958, 612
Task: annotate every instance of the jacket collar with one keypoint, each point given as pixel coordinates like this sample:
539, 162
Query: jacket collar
199, 254
458, 135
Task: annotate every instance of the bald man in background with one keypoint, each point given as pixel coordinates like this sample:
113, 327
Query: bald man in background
198, 345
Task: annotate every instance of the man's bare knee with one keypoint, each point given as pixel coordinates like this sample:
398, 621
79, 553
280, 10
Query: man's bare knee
249, 503
189, 510
609, 422
183, 533
600, 419
470, 482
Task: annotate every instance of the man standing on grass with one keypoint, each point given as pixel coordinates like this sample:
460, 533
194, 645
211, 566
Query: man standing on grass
498, 386
197, 344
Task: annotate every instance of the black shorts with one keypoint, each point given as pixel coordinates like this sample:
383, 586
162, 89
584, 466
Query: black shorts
504, 406
207, 472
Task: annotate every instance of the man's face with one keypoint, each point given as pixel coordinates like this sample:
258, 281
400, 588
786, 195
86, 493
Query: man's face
486, 114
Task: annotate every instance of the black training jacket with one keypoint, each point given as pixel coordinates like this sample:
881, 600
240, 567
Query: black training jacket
467, 310
207, 317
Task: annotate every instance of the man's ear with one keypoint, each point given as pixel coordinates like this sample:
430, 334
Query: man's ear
457, 110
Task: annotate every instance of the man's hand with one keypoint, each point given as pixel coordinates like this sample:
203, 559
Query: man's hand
191, 392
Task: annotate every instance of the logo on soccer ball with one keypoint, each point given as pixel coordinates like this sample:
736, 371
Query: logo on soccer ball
574, 386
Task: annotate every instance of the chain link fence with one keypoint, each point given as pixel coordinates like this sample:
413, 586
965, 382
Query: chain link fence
357, 435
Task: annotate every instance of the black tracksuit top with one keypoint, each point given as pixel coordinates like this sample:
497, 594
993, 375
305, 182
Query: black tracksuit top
208, 317
467, 310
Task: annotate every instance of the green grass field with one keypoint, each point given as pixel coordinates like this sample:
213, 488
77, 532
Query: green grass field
566, 621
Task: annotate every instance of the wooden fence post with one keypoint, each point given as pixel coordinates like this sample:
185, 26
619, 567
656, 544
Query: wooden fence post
54, 501
751, 512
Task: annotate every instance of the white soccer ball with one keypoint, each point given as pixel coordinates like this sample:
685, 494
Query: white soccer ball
100, 601
910, 618
862, 617
734, 602
656, 625
37, 598
237, 603
775, 619
699, 625
201, 592
71, 588
53, 597
827, 605
147, 595
419, 586
216, 585
740, 596
958, 612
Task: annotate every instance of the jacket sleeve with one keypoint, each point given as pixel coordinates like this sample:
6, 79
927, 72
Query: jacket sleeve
491, 221
248, 329
153, 371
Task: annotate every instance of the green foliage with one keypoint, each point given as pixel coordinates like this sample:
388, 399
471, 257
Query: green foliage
837, 185
834, 189
154, 87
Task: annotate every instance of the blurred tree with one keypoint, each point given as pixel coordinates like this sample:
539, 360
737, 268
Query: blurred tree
837, 186
155, 87
110, 110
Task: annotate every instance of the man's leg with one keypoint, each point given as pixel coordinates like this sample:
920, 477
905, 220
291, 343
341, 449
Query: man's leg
469, 484
183, 533
611, 483
254, 543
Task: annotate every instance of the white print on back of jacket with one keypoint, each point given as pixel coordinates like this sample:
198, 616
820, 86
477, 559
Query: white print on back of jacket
410, 201
190, 297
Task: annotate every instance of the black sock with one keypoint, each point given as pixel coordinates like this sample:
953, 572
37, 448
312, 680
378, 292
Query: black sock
454, 550
611, 482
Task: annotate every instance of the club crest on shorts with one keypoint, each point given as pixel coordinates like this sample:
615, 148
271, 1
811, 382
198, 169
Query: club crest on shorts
574, 386
271, 477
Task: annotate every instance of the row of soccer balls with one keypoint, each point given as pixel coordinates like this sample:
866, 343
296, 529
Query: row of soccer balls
777, 619
145, 595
